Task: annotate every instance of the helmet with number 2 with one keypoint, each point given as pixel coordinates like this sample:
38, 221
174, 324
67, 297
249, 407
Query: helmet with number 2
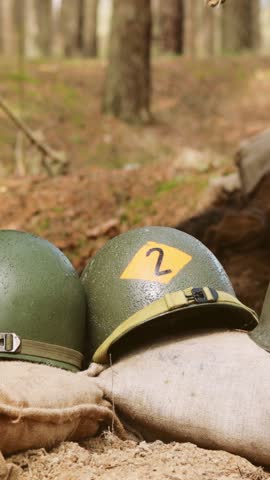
152, 280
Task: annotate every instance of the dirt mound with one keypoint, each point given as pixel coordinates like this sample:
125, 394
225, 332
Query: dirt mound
110, 458
237, 229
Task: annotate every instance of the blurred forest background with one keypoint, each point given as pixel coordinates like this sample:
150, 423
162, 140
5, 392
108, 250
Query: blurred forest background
120, 113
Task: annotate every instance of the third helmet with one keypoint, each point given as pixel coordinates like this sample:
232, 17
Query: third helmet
261, 334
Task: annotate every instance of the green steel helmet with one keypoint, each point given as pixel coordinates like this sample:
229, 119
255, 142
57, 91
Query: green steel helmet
43, 304
261, 334
153, 280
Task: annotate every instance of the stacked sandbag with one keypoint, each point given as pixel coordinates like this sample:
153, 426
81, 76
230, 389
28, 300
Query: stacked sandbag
211, 388
41, 406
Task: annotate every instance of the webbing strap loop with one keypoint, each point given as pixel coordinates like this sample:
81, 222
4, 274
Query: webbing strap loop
175, 300
190, 296
11, 343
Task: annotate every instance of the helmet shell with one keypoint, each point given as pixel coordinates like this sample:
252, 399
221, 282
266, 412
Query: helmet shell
42, 299
141, 266
261, 334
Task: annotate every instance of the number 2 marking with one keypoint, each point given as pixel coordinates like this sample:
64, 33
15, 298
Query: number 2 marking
158, 272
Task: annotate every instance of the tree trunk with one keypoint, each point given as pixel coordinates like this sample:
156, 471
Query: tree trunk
202, 29
241, 25
69, 20
189, 27
217, 31
89, 28
31, 28
27, 17
45, 28
155, 12
8, 35
171, 26
128, 87
256, 23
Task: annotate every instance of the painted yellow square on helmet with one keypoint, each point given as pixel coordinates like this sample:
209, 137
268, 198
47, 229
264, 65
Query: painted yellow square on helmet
156, 262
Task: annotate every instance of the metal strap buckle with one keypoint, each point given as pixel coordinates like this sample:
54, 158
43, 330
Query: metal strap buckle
198, 295
9, 342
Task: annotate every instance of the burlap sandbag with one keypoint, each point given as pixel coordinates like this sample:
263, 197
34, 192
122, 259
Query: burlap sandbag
208, 388
42, 405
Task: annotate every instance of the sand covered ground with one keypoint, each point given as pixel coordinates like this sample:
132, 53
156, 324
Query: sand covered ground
108, 458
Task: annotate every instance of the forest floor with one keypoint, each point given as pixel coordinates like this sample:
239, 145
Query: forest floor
124, 176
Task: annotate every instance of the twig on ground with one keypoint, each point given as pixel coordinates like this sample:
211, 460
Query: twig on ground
47, 152
103, 228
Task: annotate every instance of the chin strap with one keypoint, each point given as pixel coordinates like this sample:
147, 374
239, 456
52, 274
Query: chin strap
175, 301
11, 343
